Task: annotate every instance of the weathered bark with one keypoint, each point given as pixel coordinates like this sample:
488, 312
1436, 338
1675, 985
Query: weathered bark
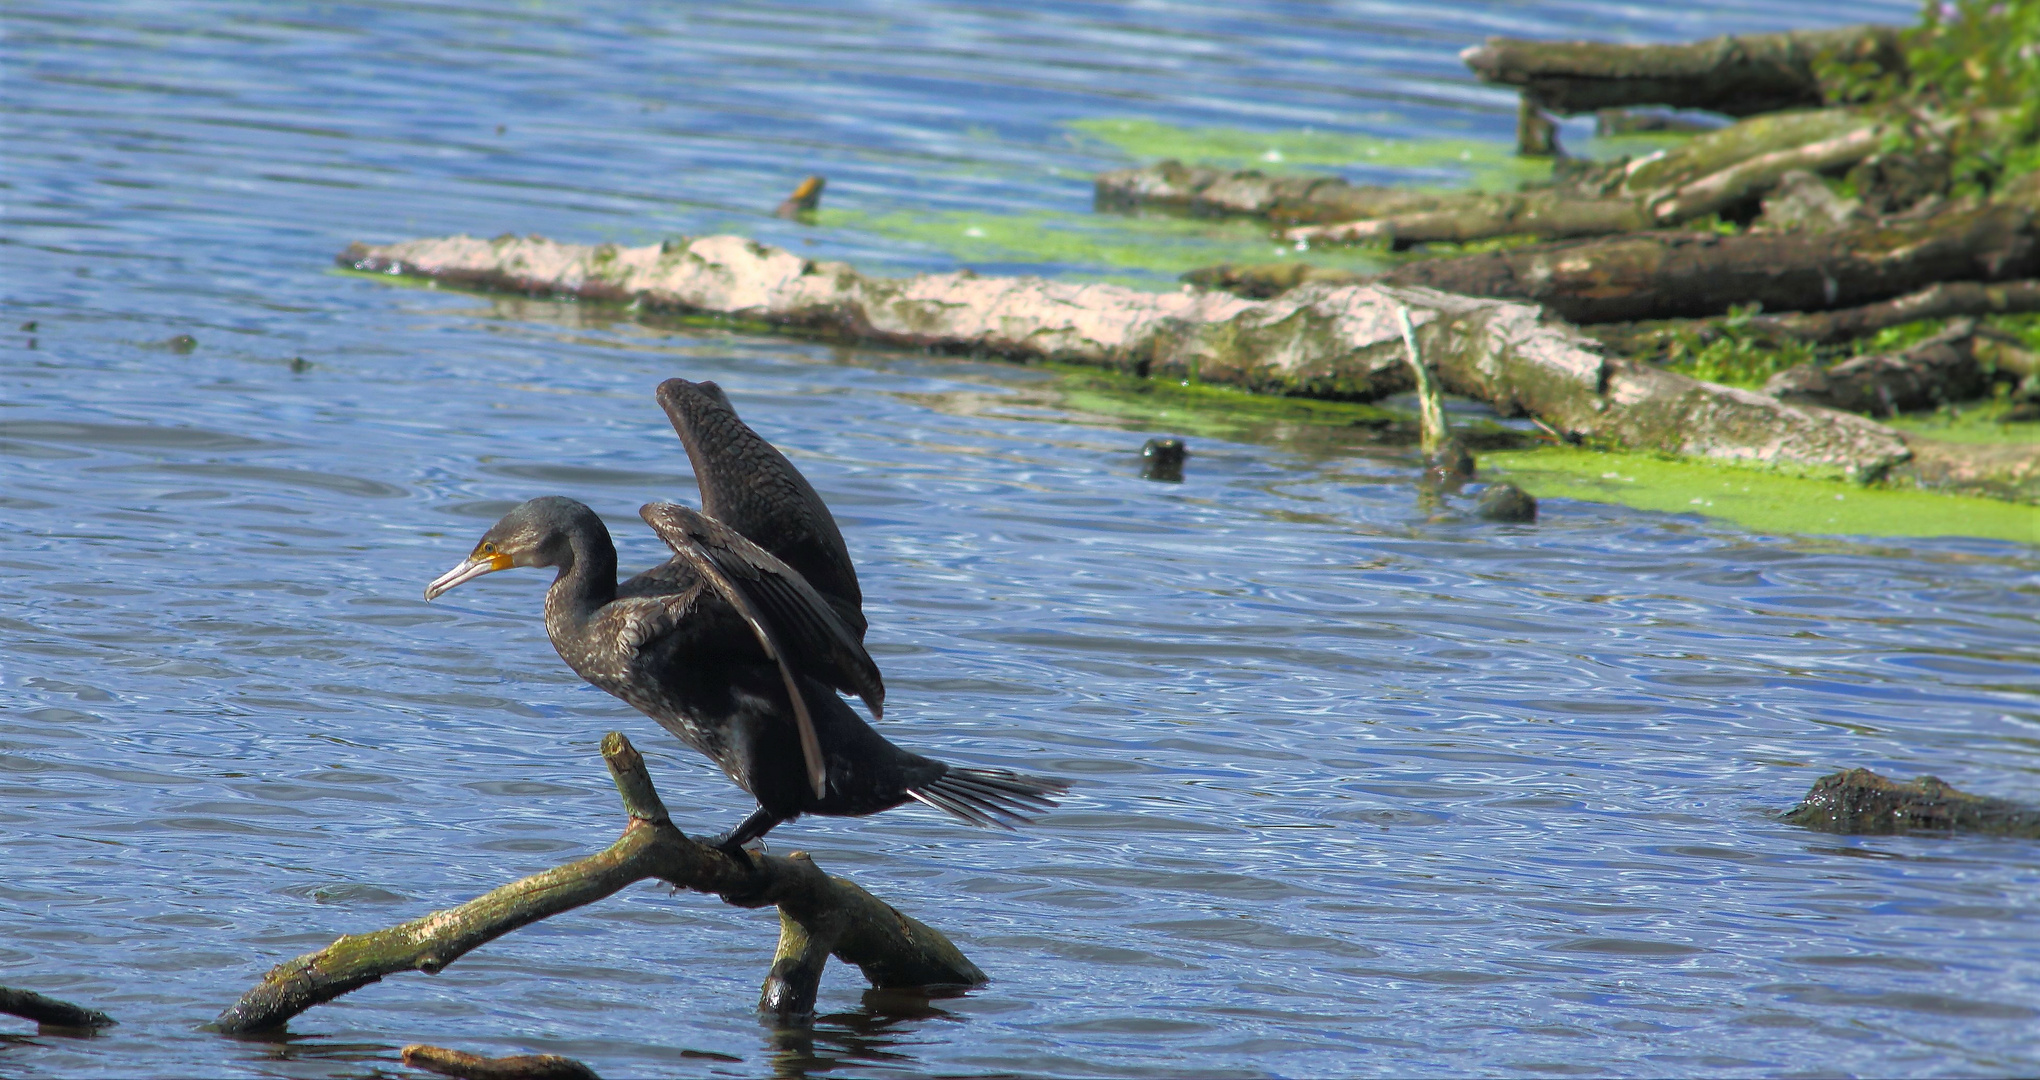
1321, 340
1936, 371
1673, 274
50, 1012
1198, 189
1547, 215
514, 1067
2008, 472
1737, 75
1938, 301
891, 948
1732, 168
1861, 801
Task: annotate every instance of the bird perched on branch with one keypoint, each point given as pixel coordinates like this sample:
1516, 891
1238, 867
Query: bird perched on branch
739, 642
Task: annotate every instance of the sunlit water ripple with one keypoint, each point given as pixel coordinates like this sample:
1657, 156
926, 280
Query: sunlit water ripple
1358, 791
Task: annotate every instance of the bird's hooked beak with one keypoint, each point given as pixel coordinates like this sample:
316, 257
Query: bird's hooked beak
473, 568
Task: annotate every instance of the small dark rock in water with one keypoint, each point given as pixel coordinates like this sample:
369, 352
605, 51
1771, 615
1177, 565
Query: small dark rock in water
1860, 801
806, 198
1506, 502
28, 327
182, 343
1162, 459
299, 365
1450, 465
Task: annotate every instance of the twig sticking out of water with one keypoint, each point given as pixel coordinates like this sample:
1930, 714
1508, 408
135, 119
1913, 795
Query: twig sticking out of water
50, 1012
820, 916
1430, 405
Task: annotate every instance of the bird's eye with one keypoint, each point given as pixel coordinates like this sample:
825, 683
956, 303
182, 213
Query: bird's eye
488, 548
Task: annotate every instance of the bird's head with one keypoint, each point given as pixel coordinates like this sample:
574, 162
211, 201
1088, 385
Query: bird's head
539, 532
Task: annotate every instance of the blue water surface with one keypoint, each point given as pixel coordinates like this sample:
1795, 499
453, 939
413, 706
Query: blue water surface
1359, 790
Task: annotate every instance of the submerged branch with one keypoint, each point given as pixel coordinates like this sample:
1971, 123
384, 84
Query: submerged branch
891, 948
514, 1067
49, 1011
1861, 801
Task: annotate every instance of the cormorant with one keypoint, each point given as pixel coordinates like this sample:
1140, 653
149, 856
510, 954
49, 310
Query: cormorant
730, 644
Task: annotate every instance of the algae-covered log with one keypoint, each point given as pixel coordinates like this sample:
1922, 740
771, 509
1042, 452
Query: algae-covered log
1682, 274
1737, 75
51, 1012
892, 949
1861, 801
1320, 339
1198, 189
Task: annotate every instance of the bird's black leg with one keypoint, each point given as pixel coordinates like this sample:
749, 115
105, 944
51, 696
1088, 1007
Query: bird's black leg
751, 828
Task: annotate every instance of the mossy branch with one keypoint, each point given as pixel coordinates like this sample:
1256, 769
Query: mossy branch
820, 916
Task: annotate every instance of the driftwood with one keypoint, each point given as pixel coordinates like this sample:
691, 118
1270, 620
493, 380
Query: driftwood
1675, 273
1938, 301
1318, 339
1722, 171
48, 1012
1861, 801
819, 916
1737, 75
1936, 371
514, 1067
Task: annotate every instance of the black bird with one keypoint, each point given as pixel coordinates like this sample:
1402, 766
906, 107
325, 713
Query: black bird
729, 645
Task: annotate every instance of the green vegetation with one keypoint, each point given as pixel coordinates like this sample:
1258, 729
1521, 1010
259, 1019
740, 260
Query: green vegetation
1154, 248
1760, 500
1443, 162
1734, 355
1974, 59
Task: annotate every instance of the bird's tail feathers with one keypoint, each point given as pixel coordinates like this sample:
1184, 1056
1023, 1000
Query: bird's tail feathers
991, 798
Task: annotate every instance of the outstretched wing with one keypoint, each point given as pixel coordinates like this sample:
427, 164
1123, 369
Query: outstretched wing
796, 627
749, 486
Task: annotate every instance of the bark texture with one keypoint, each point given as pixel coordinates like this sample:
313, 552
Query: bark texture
1683, 274
1861, 801
514, 1067
1319, 339
892, 949
1941, 369
1738, 75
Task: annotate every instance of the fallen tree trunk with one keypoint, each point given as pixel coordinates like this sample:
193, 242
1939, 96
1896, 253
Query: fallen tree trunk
819, 916
1680, 274
1938, 301
1861, 801
1198, 189
1936, 371
1320, 340
1738, 75
476, 1067
1549, 215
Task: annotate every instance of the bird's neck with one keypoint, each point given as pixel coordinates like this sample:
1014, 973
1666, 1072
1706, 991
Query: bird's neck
586, 581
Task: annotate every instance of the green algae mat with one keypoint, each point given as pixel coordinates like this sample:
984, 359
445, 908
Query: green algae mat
1756, 499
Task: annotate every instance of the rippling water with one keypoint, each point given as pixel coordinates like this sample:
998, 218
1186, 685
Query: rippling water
1359, 792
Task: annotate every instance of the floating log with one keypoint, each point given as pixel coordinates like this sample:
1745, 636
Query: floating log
1321, 340
1740, 75
819, 916
1549, 215
50, 1012
1861, 801
513, 1067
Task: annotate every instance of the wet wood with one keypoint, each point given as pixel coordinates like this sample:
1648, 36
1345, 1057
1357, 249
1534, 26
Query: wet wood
1740, 75
1940, 300
1668, 274
468, 1066
1198, 189
1861, 801
1320, 339
51, 1012
1937, 371
892, 949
